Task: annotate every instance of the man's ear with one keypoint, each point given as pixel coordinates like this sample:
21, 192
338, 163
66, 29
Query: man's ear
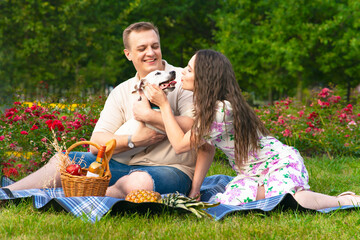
127, 54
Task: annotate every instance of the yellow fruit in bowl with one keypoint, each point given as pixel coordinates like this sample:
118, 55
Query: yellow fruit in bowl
139, 196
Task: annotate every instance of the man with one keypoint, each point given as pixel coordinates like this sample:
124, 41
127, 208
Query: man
157, 167
142, 47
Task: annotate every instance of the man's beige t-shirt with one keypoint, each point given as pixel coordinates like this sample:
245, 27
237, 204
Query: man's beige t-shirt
118, 109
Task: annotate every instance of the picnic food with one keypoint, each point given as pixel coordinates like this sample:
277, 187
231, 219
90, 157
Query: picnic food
79, 186
139, 196
175, 200
74, 169
97, 168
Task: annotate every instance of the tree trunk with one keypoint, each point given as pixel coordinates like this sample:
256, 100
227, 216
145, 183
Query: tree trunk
270, 95
348, 83
299, 88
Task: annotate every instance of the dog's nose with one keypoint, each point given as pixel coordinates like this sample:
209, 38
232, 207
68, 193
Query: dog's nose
173, 74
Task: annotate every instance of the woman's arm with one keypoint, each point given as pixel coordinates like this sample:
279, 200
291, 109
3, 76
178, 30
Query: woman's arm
178, 139
143, 113
203, 162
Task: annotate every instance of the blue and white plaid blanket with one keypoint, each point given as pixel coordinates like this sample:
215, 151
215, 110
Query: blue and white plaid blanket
94, 208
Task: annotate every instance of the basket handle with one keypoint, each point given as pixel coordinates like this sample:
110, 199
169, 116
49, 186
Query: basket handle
110, 147
81, 143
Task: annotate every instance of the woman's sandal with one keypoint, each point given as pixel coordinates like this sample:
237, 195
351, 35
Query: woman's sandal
355, 199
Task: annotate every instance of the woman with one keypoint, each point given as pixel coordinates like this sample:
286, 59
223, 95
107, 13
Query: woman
265, 167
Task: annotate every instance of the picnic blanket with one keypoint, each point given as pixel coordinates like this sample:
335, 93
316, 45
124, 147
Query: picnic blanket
94, 208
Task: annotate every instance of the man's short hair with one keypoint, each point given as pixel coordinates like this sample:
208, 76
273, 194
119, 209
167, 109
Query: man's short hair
138, 27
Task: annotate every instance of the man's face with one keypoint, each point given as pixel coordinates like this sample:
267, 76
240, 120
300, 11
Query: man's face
144, 52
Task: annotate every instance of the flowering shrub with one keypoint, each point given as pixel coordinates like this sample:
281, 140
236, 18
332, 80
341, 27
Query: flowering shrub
27, 128
325, 126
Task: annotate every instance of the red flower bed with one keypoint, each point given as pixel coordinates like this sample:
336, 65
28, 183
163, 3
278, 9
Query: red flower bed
25, 131
326, 125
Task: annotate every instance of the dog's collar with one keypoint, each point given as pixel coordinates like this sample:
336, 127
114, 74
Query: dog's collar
153, 106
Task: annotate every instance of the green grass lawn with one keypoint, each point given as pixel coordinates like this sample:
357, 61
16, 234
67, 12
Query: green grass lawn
326, 176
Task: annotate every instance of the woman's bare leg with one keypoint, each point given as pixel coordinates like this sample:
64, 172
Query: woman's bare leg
314, 200
47, 176
260, 192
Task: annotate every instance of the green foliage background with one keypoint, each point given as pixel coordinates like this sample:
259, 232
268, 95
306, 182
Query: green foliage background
277, 48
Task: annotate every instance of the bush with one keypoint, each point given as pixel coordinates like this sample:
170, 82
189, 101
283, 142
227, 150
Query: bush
324, 126
27, 129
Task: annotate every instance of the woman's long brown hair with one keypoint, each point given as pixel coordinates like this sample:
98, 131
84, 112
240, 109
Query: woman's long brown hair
215, 80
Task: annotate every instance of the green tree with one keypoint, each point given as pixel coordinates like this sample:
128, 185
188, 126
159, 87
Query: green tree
277, 46
185, 25
65, 44
75, 44
339, 53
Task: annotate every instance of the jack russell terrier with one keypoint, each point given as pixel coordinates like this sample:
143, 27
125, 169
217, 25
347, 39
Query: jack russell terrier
166, 81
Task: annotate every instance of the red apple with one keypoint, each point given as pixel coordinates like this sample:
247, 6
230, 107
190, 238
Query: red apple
74, 169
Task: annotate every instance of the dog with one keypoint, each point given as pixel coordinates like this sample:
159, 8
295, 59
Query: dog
166, 81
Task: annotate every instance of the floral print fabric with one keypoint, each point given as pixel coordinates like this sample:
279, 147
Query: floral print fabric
280, 168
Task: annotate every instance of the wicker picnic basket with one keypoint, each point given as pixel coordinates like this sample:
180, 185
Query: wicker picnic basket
79, 186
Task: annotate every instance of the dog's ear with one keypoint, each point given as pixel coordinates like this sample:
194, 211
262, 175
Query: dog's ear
136, 88
139, 85
142, 83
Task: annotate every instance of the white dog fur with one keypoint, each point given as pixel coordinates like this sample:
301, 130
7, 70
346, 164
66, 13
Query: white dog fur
166, 81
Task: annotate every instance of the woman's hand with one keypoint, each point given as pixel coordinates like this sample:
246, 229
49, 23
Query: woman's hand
194, 193
156, 95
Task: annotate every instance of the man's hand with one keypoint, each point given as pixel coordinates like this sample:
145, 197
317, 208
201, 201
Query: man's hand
145, 136
141, 108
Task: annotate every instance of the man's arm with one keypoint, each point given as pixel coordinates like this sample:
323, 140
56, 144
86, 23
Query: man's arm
142, 137
103, 137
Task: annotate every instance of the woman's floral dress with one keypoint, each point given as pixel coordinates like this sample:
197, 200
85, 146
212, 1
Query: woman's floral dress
278, 167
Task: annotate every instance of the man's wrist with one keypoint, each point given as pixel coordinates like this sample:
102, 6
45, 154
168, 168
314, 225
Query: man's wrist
145, 115
130, 142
